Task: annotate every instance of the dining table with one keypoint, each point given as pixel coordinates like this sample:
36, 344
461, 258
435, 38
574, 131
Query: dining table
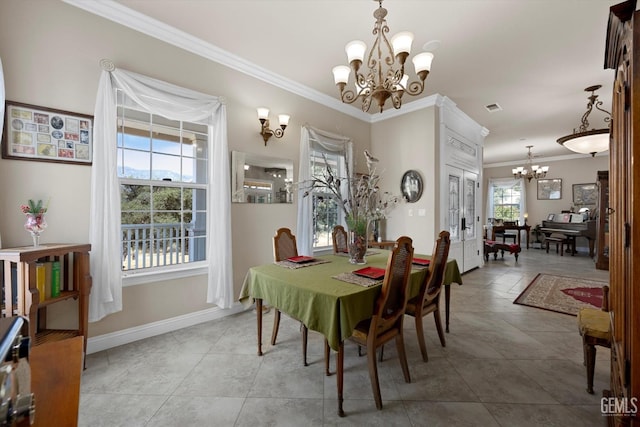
315, 293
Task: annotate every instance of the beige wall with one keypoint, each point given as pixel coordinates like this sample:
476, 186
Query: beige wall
403, 143
50, 53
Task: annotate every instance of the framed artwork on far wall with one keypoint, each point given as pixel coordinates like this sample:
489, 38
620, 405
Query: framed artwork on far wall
47, 135
585, 194
550, 189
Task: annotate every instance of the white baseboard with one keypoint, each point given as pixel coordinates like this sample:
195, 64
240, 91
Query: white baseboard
125, 336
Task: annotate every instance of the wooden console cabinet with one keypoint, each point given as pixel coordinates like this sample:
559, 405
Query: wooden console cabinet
623, 55
75, 284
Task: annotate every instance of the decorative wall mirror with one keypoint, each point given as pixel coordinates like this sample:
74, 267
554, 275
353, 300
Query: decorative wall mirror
411, 186
260, 179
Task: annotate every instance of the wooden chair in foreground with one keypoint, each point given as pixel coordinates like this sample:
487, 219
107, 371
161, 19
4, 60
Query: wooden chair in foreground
388, 314
595, 327
428, 299
284, 246
339, 236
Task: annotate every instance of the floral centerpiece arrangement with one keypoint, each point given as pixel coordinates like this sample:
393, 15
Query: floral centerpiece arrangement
36, 222
360, 200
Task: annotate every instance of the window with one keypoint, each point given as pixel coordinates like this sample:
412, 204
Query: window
162, 169
506, 200
326, 210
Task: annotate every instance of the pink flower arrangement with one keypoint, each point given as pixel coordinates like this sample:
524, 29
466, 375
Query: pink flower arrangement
35, 216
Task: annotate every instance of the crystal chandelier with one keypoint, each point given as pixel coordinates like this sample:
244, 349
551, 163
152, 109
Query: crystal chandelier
586, 141
385, 77
532, 171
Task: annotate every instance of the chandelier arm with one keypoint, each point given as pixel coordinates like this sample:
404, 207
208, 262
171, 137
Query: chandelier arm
348, 96
396, 99
598, 107
415, 87
278, 132
584, 122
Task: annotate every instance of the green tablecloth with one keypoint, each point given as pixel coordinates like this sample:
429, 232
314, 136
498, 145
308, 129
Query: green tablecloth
324, 304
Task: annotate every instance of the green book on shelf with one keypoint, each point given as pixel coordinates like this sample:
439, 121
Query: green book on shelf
55, 279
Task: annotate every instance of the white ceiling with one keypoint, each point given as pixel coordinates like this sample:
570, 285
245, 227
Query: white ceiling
532, 57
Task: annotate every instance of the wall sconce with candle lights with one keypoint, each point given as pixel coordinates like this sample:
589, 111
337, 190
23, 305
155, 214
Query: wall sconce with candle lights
263, 116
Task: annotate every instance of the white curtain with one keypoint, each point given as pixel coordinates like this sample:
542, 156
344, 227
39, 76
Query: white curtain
311, 138
507, 183
174, 103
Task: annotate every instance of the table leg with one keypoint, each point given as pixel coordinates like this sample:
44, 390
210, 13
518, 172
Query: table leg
447, 301
327, 357
259, 319
340, 377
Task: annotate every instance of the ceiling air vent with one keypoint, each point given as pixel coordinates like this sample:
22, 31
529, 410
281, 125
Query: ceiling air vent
492, 108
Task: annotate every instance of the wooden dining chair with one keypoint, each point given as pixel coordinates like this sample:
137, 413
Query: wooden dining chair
284, 246
428, 299
339, 236
388, 314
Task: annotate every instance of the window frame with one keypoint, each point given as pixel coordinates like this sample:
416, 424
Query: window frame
315, 153
182, 129
512, 205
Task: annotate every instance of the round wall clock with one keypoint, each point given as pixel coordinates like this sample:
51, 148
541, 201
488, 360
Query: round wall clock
411, 186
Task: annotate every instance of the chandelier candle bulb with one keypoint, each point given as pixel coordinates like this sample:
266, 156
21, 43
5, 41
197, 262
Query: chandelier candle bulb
355, 51
401, 43
341, 75
263, 114
283, 119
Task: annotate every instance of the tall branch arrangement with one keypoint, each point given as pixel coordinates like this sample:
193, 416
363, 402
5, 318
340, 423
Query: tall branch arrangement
364, 201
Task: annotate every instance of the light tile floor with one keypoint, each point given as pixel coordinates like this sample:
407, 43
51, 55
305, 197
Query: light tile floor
504, 365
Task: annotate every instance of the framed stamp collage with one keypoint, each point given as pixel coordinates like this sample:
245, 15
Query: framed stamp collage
45, 134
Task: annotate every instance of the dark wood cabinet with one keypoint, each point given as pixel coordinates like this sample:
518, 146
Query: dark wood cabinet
602, 223
623, 56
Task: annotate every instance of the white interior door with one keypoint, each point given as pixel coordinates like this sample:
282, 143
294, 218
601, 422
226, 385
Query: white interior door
462, 219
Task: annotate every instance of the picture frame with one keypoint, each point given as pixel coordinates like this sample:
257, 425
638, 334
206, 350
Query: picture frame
411, 186
45, 134
550, 189
550, 217
585, 194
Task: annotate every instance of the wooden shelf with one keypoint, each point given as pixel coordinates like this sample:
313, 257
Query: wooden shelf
64, 295
75, 284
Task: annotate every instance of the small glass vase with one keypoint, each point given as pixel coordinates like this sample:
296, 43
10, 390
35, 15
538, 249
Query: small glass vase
357, 245
35, 224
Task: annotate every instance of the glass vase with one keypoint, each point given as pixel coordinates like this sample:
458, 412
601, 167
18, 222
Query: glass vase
35, 225
357, 244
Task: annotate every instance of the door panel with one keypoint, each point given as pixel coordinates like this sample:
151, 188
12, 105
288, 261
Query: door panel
461, 219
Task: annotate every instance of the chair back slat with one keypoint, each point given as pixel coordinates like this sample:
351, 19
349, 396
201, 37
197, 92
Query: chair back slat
284, 245
435, 277
392, 301
339, 236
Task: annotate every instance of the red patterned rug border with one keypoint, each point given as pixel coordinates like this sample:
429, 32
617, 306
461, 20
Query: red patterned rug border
525, 292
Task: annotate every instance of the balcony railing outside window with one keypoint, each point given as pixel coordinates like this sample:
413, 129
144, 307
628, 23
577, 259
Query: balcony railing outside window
145, 246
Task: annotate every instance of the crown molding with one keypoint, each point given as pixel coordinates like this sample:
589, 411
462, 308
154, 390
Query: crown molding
120, 14
573, 156
127, 17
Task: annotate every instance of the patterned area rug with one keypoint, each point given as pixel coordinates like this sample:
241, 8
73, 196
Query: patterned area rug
562, 294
